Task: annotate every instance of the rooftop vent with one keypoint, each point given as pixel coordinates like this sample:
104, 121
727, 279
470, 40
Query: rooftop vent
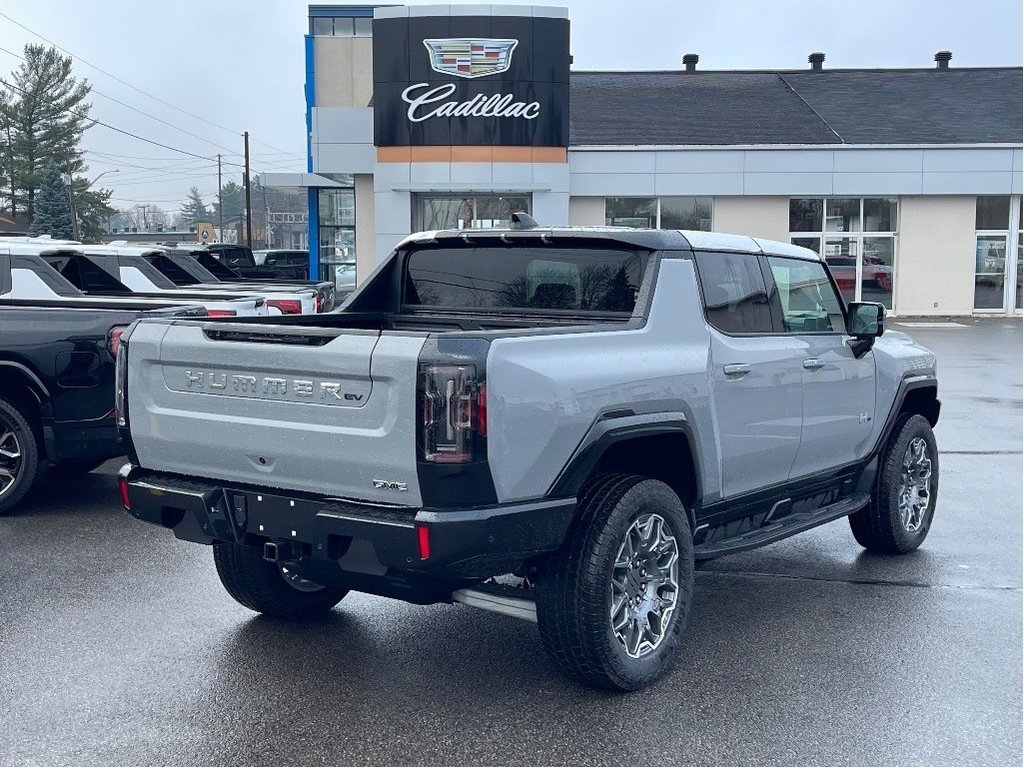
942, 59
690, 61
816, 59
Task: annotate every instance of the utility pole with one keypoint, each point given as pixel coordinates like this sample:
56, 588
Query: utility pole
75, 233
248, 201
220, 200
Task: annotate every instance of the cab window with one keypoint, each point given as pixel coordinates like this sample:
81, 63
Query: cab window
808, 301
734, 293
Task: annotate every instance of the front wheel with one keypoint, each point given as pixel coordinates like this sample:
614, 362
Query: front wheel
612, 604
899, 515
273, 589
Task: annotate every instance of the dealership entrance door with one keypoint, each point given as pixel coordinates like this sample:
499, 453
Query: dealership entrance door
467, 210
998, 252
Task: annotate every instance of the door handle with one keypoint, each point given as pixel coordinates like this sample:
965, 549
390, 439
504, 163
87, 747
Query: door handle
736, 369
813, 364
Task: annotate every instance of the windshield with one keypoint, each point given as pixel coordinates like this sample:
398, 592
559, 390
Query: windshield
550, 278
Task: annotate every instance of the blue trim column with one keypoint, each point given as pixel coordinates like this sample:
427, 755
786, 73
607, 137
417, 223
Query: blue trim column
313, 193
314, 232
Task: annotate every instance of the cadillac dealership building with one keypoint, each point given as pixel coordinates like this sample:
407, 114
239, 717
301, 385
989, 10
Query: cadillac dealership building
431, 117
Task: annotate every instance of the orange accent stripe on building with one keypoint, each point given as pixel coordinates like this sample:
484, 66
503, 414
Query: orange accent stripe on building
472, 154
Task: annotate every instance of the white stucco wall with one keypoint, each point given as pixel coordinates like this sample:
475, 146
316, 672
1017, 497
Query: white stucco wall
586, 211
754, 216
366, 259
344, 71
935, 255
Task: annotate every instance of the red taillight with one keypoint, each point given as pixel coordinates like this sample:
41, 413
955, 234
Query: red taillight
480, 412
317, 302
114, 339
287, 306
453, 413
126, 499
423, 539
220, 313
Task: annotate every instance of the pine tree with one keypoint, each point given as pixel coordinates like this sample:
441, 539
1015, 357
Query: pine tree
43, 115
93, 209
193, 210
52, 209
233, 196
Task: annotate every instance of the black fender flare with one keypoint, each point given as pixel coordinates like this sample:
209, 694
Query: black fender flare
910, 383
33, 383
618, 427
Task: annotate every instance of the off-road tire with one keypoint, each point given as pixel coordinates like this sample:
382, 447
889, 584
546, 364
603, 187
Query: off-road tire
30, 471
260, 586
574, 589
878, 527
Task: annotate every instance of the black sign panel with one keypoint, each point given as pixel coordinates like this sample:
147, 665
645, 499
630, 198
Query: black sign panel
471, 81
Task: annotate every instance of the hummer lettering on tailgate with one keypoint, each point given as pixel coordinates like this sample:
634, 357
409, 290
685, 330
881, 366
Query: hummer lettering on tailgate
244, 384
275, 386
217, 381
302, 388
193, 379
329, 389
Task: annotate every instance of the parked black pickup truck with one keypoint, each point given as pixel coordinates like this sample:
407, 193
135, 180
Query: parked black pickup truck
242, 260
213, 270
57, 383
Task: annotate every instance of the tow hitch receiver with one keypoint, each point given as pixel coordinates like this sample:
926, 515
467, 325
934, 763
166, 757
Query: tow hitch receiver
284, 551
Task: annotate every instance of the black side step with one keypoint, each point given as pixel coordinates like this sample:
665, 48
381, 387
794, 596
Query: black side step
784, 527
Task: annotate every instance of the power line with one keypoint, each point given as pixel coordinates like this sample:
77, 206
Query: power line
92, 89
23, 92
125, 82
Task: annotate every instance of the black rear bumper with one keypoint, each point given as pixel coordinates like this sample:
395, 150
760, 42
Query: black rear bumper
468, 543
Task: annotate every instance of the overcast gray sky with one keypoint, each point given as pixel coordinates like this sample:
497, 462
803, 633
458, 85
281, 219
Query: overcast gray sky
238, 64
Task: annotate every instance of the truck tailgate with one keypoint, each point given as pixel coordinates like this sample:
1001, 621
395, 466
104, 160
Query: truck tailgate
313, 410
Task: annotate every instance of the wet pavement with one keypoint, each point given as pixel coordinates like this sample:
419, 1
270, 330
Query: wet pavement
119, 646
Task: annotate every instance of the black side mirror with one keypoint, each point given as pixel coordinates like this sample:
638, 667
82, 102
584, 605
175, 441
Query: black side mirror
865, 321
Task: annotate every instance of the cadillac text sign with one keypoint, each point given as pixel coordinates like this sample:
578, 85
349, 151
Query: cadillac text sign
471, 81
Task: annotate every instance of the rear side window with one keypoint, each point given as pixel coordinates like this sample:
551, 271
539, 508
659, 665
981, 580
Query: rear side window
571, 279
234, 257
735, 296
809, 303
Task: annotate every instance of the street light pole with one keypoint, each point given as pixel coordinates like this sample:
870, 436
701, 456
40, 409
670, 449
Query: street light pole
248, 200
75, 233
76, 230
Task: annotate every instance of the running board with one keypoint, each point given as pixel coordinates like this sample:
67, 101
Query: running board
517, 607
782, 528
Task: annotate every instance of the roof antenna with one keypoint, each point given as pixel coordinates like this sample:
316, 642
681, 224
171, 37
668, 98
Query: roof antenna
523, 220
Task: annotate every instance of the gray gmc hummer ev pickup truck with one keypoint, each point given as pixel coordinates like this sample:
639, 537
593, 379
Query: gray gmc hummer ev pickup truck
553, 423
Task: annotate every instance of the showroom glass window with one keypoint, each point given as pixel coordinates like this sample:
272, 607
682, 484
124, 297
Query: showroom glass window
338, 234
857, 237
997, 253
340, 26
467, 211
659, 212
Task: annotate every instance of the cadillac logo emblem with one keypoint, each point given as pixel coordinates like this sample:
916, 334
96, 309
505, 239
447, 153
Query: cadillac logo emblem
470, 57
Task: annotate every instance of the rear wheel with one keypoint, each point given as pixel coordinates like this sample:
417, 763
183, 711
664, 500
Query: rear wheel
898, 518
612, 604
274, 589
20, 454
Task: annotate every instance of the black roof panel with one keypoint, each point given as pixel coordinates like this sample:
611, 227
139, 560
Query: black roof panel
851, 106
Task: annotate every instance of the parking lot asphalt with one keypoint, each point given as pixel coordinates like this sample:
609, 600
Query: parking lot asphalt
119, 646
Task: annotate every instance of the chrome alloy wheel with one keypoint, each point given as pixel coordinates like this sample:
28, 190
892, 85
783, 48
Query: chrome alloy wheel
915, 485
10, 458
297, 582
645, 585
